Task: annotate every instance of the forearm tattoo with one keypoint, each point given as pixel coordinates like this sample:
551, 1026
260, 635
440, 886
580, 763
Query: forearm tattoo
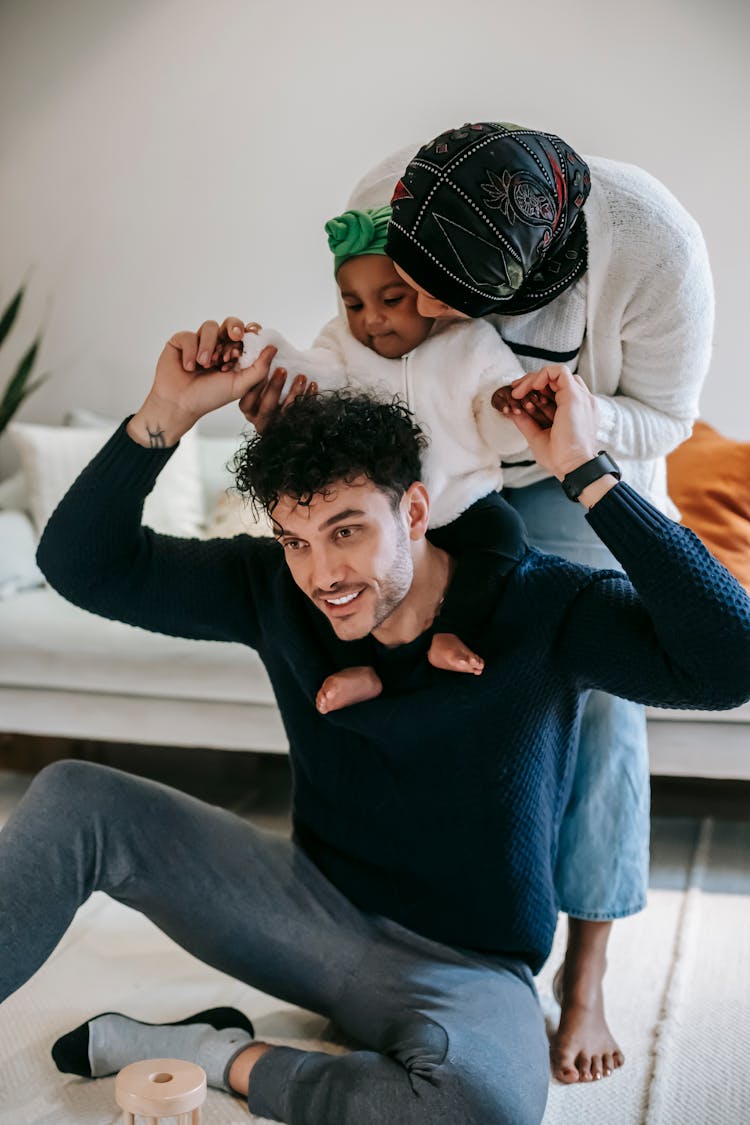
155, 438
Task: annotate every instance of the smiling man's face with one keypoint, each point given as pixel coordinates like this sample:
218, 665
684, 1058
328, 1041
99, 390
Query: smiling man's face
350, 552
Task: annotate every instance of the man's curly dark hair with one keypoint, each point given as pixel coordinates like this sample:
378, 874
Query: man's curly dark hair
329, 437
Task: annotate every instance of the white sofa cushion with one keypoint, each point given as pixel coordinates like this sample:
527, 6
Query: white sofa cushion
53, 456
18, 569
234, 515
45, 642
215, 454
227, 512
13, 492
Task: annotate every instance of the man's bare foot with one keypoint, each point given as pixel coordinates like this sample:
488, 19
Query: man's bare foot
351, 685
583, 1049
447, 651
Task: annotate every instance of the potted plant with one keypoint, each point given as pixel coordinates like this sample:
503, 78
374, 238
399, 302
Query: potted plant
19, 386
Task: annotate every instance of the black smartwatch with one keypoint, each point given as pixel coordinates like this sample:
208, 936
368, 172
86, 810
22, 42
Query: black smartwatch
600, 466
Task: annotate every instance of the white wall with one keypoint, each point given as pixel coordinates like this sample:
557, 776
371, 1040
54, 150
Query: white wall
167, 161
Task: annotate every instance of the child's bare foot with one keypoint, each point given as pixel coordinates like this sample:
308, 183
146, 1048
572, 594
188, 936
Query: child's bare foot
449, 652
351, 685
583, 1048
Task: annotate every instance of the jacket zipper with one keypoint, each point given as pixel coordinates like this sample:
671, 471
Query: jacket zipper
405, 381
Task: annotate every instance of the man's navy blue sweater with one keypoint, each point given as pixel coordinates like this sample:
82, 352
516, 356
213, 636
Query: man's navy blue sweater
437, 804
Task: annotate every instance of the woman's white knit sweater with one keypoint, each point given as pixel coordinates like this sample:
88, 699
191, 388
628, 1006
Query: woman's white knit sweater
447, 382
649, 315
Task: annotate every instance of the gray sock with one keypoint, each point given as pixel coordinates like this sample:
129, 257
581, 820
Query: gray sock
115, 1041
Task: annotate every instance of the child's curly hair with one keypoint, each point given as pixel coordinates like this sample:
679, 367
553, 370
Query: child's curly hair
329, 437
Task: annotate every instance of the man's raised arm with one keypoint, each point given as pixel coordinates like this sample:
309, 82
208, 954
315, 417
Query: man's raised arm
676, 631
96, 552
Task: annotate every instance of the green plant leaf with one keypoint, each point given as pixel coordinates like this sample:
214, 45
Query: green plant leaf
7, 410
27, 390
20, 385
23, 370
10, 314
17, 388
37, 383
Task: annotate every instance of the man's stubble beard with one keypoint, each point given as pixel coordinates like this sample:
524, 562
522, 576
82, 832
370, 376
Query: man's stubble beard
396, 584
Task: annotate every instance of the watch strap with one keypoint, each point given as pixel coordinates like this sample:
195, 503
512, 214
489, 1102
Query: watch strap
600, 466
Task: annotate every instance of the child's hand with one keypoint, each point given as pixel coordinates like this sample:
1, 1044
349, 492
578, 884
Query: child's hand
196, 370
539, 405
220, 346
261, 403
194, 375
570, 438
215, 346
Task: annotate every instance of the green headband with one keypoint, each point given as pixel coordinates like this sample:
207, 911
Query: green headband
357, 232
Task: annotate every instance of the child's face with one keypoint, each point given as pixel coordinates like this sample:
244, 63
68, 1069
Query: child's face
380, 307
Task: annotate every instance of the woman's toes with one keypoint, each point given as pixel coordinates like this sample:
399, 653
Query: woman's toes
583, 1063
566, 1073
596, 1068
607, 1065
618, 1059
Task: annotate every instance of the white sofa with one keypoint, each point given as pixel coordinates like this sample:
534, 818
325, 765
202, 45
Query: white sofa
65, 672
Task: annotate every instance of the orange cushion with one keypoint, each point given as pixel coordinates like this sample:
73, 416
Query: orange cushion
709, 481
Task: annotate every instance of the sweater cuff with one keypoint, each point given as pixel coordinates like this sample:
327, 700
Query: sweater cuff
129, 464
619, 510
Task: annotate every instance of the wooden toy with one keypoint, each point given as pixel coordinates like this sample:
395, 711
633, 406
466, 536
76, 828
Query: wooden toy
154, 1089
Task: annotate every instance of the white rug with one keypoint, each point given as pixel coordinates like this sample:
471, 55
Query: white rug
678, 1000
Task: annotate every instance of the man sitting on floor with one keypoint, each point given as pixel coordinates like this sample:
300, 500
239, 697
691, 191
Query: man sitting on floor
416, 900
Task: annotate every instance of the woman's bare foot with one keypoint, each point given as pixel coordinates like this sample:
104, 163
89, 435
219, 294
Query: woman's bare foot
447, 651
583, 1048
351, 685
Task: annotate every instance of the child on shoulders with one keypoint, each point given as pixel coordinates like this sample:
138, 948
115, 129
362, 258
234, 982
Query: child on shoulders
446, 373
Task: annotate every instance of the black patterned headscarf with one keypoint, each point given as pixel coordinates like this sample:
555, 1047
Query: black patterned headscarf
489, 218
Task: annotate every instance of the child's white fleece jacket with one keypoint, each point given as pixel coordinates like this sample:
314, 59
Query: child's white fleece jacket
447, 383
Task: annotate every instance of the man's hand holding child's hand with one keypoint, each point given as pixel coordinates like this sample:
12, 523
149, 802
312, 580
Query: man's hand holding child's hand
561, 425
539, 405
196, 374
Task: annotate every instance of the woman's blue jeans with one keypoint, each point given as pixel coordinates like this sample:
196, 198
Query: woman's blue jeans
602, 865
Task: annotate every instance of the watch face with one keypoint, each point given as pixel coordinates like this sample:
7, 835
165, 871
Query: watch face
611, 466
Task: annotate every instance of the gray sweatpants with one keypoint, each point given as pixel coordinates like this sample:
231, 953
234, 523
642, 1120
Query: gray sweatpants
446, 1036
